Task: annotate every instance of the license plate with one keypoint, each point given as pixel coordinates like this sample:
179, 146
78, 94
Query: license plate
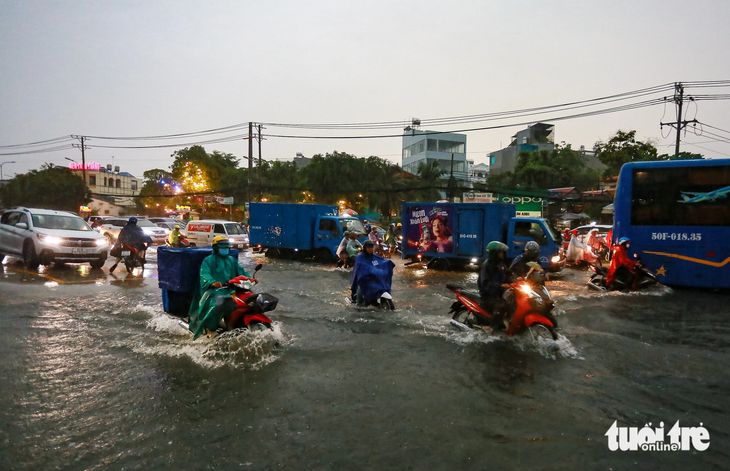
82, 251
126, 253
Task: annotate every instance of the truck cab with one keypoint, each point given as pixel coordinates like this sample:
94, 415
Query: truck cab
523, 230
331, 230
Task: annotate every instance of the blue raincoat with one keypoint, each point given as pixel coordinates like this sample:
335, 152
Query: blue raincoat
373, 275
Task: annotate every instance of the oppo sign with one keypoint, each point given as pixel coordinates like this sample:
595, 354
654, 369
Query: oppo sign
520, 200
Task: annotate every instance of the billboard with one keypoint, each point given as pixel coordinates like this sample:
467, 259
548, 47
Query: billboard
472, 197
429, 228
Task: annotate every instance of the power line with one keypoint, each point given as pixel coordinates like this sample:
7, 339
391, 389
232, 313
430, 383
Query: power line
643, 104
39, 143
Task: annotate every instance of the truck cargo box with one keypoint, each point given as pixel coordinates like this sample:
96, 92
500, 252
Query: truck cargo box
286, 225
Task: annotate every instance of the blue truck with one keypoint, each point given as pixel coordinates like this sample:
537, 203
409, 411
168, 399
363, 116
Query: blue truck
450, 235
297, 231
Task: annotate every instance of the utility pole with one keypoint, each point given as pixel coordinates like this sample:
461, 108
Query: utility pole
83, 157
259, 139
451, 180
250, 157
679, 125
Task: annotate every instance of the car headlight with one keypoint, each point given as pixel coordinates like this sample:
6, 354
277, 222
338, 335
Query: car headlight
232, 241
50, 240
555, 259
102, 242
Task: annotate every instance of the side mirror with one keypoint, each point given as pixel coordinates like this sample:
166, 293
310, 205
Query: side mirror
258, 267
21, 225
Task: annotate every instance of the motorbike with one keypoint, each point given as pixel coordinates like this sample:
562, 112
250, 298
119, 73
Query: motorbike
184, 244
597, 280
250, 307
533, 308
131, 257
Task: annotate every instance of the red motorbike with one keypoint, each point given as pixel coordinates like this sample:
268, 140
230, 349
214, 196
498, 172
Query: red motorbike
131, 257
533, 301
250, 306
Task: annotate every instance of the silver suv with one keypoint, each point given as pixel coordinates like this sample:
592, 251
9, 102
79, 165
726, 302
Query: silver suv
43, 236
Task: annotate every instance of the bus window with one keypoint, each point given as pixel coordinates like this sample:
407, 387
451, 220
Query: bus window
683, 196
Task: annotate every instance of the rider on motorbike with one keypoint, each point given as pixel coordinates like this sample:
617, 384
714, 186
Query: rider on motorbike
371, 276
623, 266
210, 304
519, 265
174, 237
493, 282
133, 235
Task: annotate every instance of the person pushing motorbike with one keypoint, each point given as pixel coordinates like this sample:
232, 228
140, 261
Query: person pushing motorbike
212, 300
133, 235
494, 279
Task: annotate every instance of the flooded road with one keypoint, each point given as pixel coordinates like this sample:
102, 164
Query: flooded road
94, 375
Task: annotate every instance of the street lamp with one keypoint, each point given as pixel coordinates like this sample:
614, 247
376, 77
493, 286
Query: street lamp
70, 160
1, 167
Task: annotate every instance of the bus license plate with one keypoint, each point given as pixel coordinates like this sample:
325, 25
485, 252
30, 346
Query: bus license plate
126, 253
82, 251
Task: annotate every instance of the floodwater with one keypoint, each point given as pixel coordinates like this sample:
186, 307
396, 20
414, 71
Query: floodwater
95, 376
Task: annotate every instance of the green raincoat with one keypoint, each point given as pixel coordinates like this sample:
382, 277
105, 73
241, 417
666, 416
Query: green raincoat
203, 313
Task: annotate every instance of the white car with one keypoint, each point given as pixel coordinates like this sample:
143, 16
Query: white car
112, 228
42, 236
201, 233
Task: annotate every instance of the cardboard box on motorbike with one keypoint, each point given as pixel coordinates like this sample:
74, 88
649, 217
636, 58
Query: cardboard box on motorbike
201, 233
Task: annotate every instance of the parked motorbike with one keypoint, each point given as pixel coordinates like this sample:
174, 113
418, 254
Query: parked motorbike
250, 307
533, 312
597, 280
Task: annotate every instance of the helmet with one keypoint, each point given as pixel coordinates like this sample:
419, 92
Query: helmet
400, 225
367, 226
368, 243
532, 249
177, 226
575, 231
623, 240
221, 240
132, 220
496, 246
392, 224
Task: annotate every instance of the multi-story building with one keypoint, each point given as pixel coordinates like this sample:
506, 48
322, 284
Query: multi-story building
432, 146
540, 136
109, 187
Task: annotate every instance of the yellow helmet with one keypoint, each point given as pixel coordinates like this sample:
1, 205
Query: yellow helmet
177, 226
221, 240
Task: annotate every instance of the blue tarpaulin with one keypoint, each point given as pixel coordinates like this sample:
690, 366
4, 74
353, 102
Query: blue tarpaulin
179, 269
179, 275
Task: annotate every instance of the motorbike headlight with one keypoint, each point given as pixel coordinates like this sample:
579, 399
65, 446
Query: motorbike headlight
102, 242
50, 240
525, 288
555, 259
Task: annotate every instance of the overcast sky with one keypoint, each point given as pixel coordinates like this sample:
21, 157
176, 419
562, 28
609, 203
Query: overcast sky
141, 68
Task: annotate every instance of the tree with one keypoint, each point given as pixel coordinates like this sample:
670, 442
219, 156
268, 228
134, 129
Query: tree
622, 148
50, 187
545, 169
